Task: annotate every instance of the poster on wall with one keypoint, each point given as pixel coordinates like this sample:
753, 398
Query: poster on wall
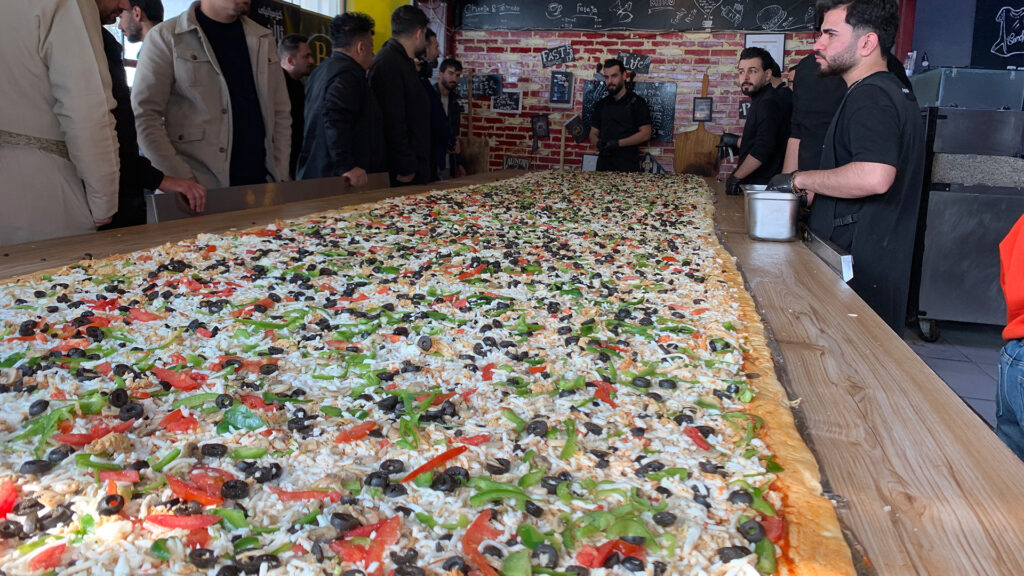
998, 34
775, 44
508, 101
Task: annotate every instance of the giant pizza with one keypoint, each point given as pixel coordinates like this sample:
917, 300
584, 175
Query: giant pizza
557, 374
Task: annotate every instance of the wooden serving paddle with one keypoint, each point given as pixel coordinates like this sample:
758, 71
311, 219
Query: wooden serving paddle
695, 151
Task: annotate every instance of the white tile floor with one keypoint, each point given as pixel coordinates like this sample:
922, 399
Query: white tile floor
966, 357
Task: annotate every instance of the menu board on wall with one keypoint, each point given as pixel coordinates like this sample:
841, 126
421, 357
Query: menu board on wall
750, 15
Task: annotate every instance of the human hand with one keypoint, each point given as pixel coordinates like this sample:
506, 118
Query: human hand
607, 145
355, 176
784, 183
102, 221
405, 178
732, 186
193, 192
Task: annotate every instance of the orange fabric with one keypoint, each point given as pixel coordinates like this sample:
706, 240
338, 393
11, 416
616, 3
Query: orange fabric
1011, 253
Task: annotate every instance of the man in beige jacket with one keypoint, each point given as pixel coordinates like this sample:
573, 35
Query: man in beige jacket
58, 150
209, 99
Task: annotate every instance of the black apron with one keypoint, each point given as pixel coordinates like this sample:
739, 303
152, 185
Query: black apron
879, 231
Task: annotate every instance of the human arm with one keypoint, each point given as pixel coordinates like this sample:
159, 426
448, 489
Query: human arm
388, 89
853, 180
154, 79
768, 128
81, 88
747, 167
792, 160
642, 136
343, 104
594, 136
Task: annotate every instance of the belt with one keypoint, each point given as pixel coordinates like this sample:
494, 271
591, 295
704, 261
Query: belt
845, 220
56, 147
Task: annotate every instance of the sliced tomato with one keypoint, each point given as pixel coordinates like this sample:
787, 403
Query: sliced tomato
439, 399
337, 344
435, 462
102, 305
477, 532
210, 479
48, 559
204, 332
193, 522
591, 557
487, 371
96, 432
177, 422
474, 440
384, 533
119, 475
774, 528
105, 368
141, 315
8, 496
257, 403
188, 491
64, 346
357, 432
34, 338
604, 392
698, 438
303, 495
178, 380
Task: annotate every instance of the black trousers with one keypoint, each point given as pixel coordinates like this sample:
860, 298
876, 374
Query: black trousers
619, 161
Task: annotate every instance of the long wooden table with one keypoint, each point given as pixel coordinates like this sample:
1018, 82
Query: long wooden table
922, 485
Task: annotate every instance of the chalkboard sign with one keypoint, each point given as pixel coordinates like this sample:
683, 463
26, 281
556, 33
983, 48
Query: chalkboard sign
507, 101
998, 34
639, 63
516, 163
660, 96
557, 55
750, 15
484, 86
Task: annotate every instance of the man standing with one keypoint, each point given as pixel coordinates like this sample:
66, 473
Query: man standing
343, 122
866, 197
58, 149
815, 101
297, 62
763, 144
140, 18
447, 85
137, 173
425, 64
620, 124
210, 100
401, 97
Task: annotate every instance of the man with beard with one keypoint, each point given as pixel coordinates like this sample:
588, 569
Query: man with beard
447, 87
763, 145
402, 99
297, 63
815, 101
210, 100
137, 173
621, 122
140, 18
343, 123
425, 64
866, 196
58, 149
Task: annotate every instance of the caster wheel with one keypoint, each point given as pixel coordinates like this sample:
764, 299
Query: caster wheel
929, 329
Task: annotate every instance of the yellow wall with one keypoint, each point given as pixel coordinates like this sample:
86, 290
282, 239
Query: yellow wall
380, 11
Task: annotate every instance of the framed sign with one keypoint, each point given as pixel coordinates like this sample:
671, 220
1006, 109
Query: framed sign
589, 162
561, 88
576, 129
515, 163
558, 55
540, 126
775, 44
508, 101
702, 109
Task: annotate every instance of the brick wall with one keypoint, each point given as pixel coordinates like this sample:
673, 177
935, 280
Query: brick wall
680, 57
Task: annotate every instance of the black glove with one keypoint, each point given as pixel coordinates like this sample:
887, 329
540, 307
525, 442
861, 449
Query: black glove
732, 186
784, 183
607, 145
729, 140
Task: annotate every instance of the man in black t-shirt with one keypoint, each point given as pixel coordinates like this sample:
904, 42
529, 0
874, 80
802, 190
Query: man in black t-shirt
620, 124
763, 146
866, 197
815, 101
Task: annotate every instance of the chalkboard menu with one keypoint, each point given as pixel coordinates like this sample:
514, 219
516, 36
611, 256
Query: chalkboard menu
484, 86
998, 34
660, 96
753, 15
507, 101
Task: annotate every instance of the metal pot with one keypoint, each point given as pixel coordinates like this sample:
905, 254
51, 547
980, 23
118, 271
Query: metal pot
771, 215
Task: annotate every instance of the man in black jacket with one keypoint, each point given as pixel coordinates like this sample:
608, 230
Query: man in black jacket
137, 174
297, 63
447, 86
402, 99
342, 136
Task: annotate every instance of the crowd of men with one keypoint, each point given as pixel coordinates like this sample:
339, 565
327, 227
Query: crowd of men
216, 102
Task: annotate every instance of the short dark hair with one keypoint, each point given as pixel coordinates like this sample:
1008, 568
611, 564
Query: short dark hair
776, 71
879, 16
289, 45
430, 33
406, 20
350, 27
612, 62
153, 9
449, 63
761, 54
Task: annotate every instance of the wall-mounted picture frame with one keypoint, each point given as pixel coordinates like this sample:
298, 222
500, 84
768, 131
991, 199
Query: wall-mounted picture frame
560, 93
703, 109
775, 44
508, 101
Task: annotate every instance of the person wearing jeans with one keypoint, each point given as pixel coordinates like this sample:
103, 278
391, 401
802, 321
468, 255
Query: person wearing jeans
1010, 393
